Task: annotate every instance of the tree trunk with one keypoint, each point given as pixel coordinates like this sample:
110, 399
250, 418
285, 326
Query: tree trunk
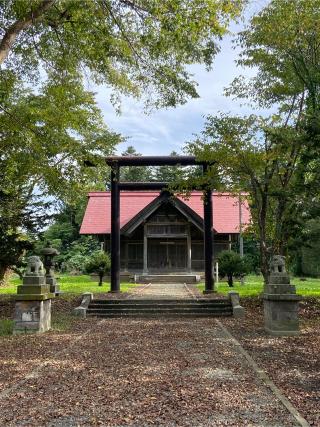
279, 238
299, 266
263, 239
100, 278
230, 280
3, 270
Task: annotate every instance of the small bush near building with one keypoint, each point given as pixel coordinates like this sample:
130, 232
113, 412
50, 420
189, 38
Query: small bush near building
99, 263
231, 265
76, 264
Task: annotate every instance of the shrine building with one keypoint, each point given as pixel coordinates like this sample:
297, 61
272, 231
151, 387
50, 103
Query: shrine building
160, 233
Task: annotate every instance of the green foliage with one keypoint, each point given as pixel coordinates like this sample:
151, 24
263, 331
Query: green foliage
176, 175
43, 154
256, 156
50, 123
305, 248
275, 160
286, 59
99, 263
47, 140
253, 286
288, 79
133, 47
63, 234
76, 263
231, 264
6, 327
13, 242
251, 252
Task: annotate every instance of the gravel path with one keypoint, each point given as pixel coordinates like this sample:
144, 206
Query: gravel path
145, 373
165, 291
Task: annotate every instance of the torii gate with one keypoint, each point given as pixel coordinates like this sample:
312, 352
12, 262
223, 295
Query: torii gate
116, 186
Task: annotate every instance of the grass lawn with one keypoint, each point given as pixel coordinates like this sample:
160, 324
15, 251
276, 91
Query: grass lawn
70, 285
254, 285
6, 326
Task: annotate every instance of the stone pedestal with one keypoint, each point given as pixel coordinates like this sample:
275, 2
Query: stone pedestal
32, 317
281, 303
49, 253
33, 301
52, 282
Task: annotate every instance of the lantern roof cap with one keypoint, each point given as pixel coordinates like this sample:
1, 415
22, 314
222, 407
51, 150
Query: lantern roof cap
49, 250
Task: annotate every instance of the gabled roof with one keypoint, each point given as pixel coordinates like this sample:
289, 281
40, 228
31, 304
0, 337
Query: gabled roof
164, 197
97, 217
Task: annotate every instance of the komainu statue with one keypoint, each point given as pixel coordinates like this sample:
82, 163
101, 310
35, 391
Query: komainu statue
35, 266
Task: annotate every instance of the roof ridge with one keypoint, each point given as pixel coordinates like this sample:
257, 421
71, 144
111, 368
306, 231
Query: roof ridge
152, 193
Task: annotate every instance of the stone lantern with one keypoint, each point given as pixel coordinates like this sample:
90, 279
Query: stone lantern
281, 303
49, 253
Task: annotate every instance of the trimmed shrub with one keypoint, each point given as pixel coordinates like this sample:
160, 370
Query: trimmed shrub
99, 263
231, 264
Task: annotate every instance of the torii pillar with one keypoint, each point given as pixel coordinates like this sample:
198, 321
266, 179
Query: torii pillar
115, 229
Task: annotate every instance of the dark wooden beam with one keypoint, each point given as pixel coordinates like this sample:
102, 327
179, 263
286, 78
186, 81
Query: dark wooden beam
142, 186
115, 230
208, 239
153, 161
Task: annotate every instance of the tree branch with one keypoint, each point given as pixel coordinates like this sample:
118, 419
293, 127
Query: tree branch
17, 27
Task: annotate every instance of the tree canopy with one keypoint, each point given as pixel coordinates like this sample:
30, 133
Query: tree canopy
53, 51
252, 156
140, 48
274, 159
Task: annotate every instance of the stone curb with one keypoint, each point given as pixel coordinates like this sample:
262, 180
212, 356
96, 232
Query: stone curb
81, 310
237, 309
264, 377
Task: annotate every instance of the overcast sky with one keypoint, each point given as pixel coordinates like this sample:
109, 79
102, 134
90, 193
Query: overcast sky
163, 131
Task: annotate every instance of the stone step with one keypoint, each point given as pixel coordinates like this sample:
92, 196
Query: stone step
153, 308
169, 314
158, 309
162, 301
158, 306
169, 278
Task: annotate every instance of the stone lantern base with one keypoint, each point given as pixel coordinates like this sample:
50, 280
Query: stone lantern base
54, 286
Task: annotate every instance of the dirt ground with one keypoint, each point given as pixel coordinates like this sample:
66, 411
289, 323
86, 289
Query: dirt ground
292, 363
122, 372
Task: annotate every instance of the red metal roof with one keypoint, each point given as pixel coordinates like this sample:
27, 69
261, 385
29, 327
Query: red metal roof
97, 217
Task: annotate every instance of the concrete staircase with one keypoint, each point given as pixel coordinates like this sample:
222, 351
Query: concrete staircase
160, 308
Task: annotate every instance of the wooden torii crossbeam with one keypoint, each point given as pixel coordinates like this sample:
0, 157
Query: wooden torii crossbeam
116, 162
